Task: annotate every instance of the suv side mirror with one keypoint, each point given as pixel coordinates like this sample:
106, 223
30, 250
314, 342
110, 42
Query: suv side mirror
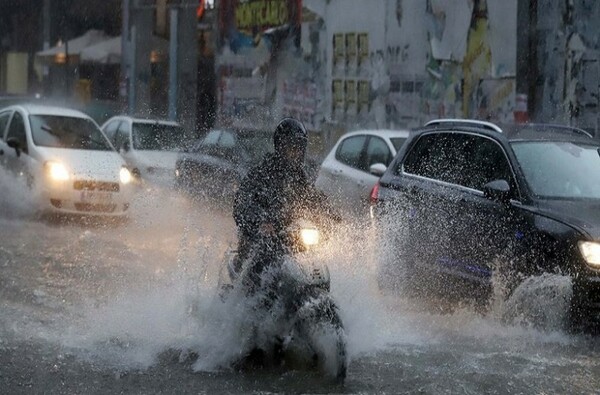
497, 190
377, 169
12, 142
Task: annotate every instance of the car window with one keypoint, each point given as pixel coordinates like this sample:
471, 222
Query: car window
4, 117
485, 161
121, 137
560, 169
227, 140
432, 156
378, 152
59, 131
208, 145
16, 129
397, 142
350, 152
253, 147
111, 129
157, 136
458, 158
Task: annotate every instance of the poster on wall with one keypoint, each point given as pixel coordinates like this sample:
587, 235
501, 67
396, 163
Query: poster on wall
364, 92
339, 50
243, 23
337, 96
496, 100
351, 51
350, 96
363, 48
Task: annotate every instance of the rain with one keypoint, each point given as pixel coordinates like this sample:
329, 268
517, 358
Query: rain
428, 223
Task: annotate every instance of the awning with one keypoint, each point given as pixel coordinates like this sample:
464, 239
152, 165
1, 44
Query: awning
58, 53
109, 51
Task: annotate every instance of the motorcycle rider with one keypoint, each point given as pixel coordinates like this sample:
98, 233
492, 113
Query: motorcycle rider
276, 190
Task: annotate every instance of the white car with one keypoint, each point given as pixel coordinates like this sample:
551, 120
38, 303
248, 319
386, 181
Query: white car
354, 165
150, 146
66, 159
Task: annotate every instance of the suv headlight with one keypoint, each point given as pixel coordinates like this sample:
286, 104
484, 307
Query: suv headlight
56, 171
125, 175
591, 253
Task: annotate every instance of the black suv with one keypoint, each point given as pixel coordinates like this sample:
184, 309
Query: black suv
465, 199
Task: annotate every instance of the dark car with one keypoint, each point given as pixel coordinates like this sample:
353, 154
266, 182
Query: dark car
216, 164
468, 200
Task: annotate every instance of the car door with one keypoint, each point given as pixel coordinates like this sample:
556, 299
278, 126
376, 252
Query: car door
490, 230
19, 161
426, 200
339, 174
377, 152
199, 166
224, 168
110, 129
4, 118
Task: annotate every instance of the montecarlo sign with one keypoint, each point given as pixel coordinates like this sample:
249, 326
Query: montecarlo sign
255, 16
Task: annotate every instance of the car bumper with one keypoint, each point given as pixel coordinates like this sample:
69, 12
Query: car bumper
87, 197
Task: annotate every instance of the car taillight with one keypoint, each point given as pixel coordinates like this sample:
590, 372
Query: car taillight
375, 193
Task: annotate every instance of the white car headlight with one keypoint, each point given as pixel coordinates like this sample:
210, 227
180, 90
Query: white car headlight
309, 236
56, 171
591, 253
125, 175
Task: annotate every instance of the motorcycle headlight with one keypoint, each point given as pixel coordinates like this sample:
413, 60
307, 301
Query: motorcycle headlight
309, 236
57, 171
591, 253
125, 175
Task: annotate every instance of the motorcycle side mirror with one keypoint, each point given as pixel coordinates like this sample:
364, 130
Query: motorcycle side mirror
12, 142
377, 169
497, 190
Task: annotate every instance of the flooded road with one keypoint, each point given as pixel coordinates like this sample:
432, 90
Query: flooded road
97, 308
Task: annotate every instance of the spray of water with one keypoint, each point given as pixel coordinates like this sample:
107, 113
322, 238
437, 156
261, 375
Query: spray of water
178, 308
17, 200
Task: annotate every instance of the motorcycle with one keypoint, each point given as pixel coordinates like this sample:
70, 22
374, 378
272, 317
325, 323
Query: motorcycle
287, 292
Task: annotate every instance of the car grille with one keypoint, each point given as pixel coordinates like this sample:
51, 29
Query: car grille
98, 208
96, 185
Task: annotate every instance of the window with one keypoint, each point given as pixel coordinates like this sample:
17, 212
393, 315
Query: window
111, 129
17, 130
435, 156
485, 162
397, 142
67, 132
121, 137
210, 140
157, 136
350, 152
463, 159
378, 152
4, 117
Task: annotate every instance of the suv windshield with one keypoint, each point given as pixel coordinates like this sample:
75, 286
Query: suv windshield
157, 137
67, 132
560, 170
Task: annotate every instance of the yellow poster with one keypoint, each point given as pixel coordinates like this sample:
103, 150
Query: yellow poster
363, 48
337, 89
350, 49
350, 93
338, 49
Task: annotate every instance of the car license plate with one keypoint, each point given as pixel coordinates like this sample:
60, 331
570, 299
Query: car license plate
96, 197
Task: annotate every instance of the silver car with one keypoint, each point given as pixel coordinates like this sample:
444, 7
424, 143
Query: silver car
354, 165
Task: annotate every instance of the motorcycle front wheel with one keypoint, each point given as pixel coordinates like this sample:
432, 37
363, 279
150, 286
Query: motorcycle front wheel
323, 328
